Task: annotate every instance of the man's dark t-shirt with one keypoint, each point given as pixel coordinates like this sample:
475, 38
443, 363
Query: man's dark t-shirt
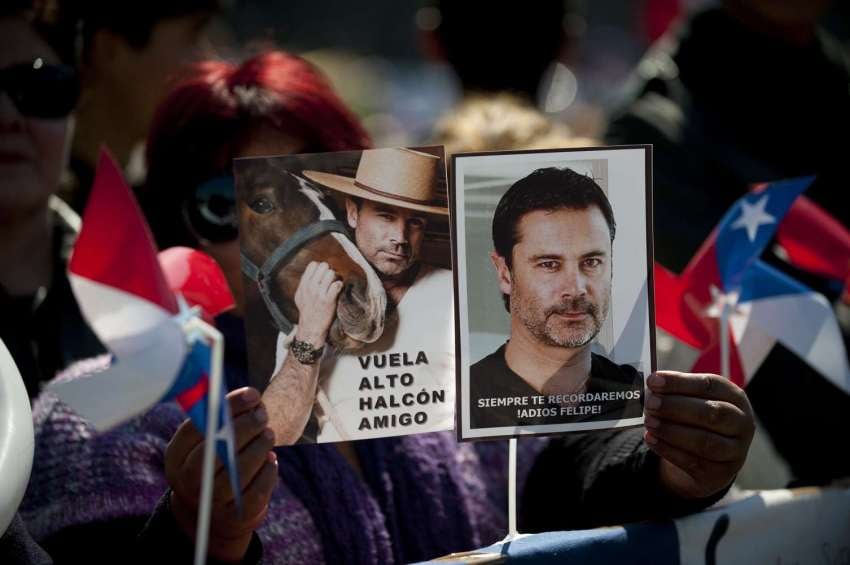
613, 392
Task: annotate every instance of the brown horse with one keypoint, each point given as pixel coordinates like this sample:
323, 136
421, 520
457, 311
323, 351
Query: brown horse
275, 208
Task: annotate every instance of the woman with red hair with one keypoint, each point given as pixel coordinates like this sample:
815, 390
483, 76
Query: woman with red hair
409, 498
274, 103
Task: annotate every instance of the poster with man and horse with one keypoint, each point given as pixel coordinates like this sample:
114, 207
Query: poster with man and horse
346, 265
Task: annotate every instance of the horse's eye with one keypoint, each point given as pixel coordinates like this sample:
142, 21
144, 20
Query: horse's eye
262, 205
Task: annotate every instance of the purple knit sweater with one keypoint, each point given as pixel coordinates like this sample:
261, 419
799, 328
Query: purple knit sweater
420, 496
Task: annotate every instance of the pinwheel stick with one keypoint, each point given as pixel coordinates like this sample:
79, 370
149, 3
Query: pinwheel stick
512, 531
197, 327
724, 341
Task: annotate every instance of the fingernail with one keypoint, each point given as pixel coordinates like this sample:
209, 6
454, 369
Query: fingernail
272, 457
250, 395
261, 415
269, 434
651, 422
650, 439
655, 380
653, 402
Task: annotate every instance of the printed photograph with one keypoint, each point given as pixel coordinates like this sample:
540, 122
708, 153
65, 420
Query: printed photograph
346, 264
554, 305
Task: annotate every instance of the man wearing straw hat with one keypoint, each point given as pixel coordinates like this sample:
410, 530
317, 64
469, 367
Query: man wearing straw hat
387, 205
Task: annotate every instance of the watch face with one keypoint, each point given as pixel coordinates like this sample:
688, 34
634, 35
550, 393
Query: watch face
304, 352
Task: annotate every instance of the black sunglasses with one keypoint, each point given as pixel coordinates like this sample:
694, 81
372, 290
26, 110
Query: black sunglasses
211, 210
41, 90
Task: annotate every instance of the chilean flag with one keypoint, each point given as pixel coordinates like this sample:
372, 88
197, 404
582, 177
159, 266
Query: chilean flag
191, 391
816, 242
130, 303
765, 306
116, 278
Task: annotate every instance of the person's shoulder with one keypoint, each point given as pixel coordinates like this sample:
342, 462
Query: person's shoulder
612, 372
491, 376
75, 467
434, 284
434, 276
478, 372
487, 364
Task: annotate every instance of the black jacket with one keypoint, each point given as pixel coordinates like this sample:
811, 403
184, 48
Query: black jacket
613, 392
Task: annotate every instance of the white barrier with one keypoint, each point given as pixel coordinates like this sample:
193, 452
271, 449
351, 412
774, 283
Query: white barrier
799, 527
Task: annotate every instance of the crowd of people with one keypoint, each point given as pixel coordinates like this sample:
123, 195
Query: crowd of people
73, 81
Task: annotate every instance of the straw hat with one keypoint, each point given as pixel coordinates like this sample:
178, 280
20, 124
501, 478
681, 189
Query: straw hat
398, 177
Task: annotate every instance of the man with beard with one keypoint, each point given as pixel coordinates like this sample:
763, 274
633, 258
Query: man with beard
387, 206
553, 233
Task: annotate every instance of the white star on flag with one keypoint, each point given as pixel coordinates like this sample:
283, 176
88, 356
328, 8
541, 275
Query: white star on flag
752, 216
718, 300
753, 344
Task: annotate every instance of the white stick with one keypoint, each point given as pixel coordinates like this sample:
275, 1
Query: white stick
512, 531
724, 341
205, 510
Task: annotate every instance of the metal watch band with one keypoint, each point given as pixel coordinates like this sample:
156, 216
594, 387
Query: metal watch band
304, 352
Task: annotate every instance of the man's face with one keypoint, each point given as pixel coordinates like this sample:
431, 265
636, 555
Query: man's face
560, 281
388, 236
137, 78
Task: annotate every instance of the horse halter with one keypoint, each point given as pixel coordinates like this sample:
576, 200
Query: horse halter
280, 257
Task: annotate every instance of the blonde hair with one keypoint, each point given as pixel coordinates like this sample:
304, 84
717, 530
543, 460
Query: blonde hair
502, 122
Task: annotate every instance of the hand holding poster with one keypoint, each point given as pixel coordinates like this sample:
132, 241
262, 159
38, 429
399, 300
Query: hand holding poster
540, 233
348, 295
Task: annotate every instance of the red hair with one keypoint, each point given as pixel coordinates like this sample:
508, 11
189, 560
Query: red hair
205, 120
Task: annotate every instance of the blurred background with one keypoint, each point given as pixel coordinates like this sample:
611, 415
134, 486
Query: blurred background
379, 57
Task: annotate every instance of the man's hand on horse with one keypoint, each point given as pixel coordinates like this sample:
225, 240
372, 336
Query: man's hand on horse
316, 298
701, 426
230, 531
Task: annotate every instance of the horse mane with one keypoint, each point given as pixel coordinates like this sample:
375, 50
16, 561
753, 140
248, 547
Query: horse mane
325, 194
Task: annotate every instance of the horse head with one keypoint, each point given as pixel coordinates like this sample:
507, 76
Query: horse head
276, 209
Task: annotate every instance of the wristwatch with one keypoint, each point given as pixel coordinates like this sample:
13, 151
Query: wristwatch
304, 352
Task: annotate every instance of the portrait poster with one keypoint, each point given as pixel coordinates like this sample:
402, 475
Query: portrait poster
554, 304
355, 244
